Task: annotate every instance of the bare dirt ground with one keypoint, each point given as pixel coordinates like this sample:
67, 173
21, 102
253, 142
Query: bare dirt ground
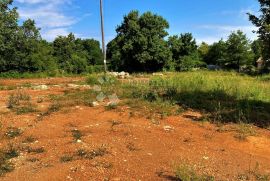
122, 144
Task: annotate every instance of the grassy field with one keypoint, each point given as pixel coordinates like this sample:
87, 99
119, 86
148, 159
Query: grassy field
221, 96
224, 96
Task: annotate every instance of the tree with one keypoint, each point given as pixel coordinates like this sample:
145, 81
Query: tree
203, 51
91, 48
23, 50
217, 53
114, 54
139, 44
63, 50
263, 23
184, 52
238, 51
75, 55
256, 47
43, 60
28, 44
17, 43
8, 36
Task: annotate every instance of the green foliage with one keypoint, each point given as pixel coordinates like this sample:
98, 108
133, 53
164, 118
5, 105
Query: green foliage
182, 45
256, 47
91, 49
139, 44
75, 55
190, 61
263, 23
23, 50
94, 69
42, 59
203, 50
20, 103
8, 36
217, 53
238, 51
185, 55
101, 79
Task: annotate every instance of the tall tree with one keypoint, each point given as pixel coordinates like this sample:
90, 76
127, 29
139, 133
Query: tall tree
256, 47
203, 50
238, 51
42, 60
139, 44
68, 58
8, 36
263, 23
91, 49
217, 53
17, 43
28, 43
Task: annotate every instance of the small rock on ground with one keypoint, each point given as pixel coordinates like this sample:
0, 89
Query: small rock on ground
168, 128
40, 87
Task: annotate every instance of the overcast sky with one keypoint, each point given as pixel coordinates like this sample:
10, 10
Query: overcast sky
208, 20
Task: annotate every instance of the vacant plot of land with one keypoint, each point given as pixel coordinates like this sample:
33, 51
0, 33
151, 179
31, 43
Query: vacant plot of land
72, 129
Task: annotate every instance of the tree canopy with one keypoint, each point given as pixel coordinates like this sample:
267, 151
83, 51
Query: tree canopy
22, 48
139, 44
142, 44
184, 52
263, 23
239, 52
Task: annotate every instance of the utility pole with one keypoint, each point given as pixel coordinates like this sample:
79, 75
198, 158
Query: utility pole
103, 38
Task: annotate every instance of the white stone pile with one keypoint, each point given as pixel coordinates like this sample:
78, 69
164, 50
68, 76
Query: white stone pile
120, 75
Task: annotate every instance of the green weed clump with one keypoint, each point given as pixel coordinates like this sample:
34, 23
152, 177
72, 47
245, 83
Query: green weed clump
84, 154
5, 156
13, 132
187, 173
101, 79
20, 102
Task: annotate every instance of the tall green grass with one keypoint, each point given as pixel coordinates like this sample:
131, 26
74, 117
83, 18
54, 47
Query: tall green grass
225, 96
222, 96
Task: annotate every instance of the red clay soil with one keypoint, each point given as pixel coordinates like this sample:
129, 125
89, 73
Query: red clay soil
136, 149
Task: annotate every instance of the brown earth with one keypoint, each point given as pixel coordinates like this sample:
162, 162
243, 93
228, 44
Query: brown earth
135, 148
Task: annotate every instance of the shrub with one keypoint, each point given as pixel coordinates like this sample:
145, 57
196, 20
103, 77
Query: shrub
13, 132
5, 156
187, 173
95, 69
99, 79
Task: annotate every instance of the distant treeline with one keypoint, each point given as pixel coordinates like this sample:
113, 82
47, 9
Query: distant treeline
23, 50
141, 45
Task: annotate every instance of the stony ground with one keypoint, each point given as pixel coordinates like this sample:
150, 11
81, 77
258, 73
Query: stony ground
95, 143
